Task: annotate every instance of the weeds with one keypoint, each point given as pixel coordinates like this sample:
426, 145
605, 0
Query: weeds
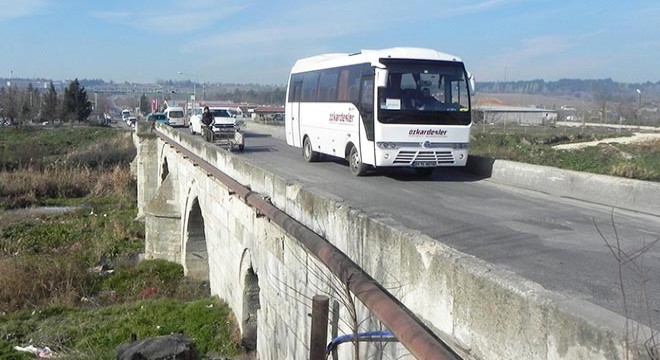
29, 282
98, 166
76, 333
22, 188
27, 146
72, 281
92, 235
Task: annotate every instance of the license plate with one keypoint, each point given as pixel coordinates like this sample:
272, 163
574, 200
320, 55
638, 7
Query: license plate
423, 164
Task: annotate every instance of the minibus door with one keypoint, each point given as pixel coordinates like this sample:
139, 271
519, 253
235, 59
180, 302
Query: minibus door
367, 112
293, 136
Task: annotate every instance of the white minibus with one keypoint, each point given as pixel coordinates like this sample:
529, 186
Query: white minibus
397, 107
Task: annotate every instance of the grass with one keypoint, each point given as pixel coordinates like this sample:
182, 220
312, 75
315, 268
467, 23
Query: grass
80, 333
533, 145
71, 281
150, 299
99, 168
39, 147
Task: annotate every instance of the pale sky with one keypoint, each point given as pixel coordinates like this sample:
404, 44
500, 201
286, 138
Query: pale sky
257, 41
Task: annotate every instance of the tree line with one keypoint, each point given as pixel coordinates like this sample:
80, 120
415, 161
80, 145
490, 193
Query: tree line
21, 106
573, 87
273, 96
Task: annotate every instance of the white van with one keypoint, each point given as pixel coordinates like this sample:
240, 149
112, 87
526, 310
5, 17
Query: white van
175, 116
125, 114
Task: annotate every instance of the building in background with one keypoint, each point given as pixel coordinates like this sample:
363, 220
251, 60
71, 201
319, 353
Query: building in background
500, 114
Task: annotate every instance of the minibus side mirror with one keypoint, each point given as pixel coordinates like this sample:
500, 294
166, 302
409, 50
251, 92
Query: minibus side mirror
471, 83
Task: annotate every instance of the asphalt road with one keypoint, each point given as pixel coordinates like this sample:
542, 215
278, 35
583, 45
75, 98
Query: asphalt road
553, 241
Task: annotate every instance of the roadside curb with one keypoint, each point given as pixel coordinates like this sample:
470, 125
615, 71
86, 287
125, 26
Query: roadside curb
629, 194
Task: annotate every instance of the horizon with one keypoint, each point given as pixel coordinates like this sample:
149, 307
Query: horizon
257, 42
187, 81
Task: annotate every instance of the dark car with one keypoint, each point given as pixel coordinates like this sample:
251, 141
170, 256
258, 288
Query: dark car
158, 117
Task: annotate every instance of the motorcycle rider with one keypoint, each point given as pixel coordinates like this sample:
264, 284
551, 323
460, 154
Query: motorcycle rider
207, 120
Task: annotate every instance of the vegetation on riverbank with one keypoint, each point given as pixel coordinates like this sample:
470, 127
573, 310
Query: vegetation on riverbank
71, 280
533, 145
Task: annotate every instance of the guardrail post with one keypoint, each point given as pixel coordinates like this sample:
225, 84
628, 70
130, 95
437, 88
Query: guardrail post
319, 333
334, 330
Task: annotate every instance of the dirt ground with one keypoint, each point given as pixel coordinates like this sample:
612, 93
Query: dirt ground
525, 100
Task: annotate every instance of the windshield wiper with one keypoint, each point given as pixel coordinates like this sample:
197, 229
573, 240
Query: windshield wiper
396, 118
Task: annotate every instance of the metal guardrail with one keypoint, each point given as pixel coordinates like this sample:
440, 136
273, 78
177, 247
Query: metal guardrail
408, 329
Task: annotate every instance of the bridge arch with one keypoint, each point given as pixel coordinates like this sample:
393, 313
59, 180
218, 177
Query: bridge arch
164, 170
195, 251
250, 300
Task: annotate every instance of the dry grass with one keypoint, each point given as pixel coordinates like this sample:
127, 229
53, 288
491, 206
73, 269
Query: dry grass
99, 169
25, 187
54, 287
28, 282
44, 259
106, 154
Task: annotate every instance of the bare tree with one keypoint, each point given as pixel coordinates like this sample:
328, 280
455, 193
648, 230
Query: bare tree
10, 104
630, 259
626, 111
602, 96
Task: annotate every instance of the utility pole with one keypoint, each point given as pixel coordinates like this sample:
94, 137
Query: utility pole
639, 107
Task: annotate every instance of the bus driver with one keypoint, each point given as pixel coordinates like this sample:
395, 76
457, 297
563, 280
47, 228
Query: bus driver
427, 102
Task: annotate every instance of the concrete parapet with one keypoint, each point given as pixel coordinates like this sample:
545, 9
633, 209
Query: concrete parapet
606, 190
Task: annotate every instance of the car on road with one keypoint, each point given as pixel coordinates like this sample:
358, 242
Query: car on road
175, 116
222, 116
125, 114
158, 118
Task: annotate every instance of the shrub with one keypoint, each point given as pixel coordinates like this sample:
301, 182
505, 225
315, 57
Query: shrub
33, 281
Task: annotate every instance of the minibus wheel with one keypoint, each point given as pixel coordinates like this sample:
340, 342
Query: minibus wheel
355, 163
308, 151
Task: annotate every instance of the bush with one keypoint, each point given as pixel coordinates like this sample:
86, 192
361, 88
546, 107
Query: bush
29, 282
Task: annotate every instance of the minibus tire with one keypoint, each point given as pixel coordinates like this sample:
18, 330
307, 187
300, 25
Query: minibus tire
355, 164
308, 151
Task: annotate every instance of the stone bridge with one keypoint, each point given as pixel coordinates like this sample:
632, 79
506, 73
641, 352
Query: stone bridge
201, 209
